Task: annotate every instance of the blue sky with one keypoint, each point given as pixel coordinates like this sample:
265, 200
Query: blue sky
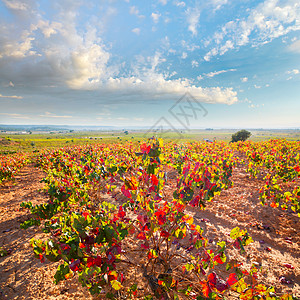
128, 62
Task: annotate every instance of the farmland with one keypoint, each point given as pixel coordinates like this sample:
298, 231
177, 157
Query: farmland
125, 217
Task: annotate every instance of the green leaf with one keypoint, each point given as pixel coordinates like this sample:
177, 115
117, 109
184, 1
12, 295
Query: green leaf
151, 169
198, 244
133, 287
61, 272
110, 296
30, 223
189, 267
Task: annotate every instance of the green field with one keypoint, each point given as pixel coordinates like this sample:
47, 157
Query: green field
11, 142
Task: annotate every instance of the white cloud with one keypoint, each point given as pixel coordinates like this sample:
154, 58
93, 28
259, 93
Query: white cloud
219, 3
155, 17
264, 23
184, 55
212, 74
15, 116
257, 86
244, 79
167, 20
163, 2
189, 46
16, 5
193, 16
180, 3
136, 31
295, 72
11, 97
87, 66
51, 115
150, 83
10, 115
295, 47
155, 85
195, 64
47, 28
255, 105
16, 46
133, 10
292, 72
65, 55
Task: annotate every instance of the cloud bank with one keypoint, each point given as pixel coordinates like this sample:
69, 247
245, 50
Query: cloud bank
38, 52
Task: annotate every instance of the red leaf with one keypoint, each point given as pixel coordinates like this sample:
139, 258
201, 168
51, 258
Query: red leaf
154, 180
164, 234
110, 258
161, 217
236, 244
125, 192
142, 218
98, 261
206, 289
90, 262
145, 246
85, 214
221, 285
141, 236
145, 148
232, 279
218, 259
212, 279
41, 257
113, 275
297, 169
74, 266
289, 266
195, 201
206, 256
121, 213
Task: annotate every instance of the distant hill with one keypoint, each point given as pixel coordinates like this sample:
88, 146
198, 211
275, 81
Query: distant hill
52, 128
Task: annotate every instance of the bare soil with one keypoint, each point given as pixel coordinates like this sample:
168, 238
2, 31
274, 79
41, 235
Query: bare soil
275, 234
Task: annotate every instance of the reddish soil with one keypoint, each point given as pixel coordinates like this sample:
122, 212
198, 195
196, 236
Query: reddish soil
24, 277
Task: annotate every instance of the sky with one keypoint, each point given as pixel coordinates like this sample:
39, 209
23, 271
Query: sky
189, 64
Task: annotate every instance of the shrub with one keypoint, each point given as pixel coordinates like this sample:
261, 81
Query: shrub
241, 135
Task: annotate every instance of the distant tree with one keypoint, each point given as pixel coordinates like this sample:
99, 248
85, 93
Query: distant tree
126, 132
241, 135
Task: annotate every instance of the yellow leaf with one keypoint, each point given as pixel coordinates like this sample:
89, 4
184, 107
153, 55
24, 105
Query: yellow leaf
160, 141
240, 286
248, 295
116, 285
236, 232
249, 240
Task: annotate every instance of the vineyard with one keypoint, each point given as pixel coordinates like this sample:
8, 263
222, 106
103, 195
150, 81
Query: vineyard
156, 220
